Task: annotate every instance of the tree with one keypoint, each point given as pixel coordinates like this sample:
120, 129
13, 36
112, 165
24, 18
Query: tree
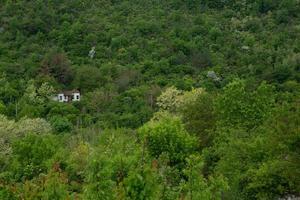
88, 78
98, 101
57, 109
45, 93
127, 77
57, 65
141, 184
279, 168
199, 116
55, 185
31, 155
8, 94
11, 131
34, 95
37, 125
116, 156
239, 107
167, 135
169, 100
61, 124
2, 108
197, 187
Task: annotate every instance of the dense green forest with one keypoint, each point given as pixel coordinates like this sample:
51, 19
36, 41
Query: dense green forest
180, 99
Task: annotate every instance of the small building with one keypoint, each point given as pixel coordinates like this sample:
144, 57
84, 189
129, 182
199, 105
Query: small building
68, 96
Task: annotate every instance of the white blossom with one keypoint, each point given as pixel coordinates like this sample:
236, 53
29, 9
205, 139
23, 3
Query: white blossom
92, 52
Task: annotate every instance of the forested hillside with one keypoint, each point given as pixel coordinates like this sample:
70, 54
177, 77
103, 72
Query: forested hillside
180, 99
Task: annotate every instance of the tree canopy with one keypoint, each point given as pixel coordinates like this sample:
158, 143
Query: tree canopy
180, 99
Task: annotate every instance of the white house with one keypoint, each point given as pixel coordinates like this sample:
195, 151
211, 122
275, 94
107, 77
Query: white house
68, 96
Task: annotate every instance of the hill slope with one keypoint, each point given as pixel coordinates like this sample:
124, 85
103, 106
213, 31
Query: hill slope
193, 99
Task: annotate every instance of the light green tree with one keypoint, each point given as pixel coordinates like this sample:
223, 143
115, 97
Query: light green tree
168, 135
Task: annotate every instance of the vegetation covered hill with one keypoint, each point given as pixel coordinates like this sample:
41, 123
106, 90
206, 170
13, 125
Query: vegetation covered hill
183, 99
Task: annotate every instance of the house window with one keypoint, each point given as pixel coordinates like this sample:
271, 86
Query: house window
60, 97
77, 96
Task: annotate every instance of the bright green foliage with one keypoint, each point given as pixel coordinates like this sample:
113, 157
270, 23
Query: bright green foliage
6, 194
46, 186
141, 185
78, 160
61, 124
239, 107
279, 168
173, 44
30, 94
197, 187
167, 135
45, 92
33, 101
268, 154
190, 97
55, 186
180, 100
31, 155
59, 110
112, 161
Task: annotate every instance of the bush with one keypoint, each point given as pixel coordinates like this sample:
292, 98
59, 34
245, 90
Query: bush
61, 124
167, 135
31, 155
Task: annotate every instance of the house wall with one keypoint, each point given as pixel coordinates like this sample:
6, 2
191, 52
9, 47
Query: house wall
76, 96
61, 97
